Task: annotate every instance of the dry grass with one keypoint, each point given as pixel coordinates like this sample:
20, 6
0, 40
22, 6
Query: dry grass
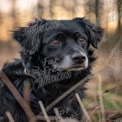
103, 102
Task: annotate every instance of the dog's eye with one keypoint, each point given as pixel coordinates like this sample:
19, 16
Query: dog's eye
56, 43
81, 40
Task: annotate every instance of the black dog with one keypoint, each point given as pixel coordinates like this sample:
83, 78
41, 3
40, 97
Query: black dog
55, 56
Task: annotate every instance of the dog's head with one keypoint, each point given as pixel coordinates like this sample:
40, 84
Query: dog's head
67, 42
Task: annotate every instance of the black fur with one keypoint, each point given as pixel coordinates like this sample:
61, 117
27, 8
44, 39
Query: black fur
32, 41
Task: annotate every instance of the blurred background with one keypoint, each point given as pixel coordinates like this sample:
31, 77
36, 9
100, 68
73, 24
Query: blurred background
105, 13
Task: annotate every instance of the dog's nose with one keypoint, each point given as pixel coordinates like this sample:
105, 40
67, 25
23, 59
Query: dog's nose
78, 58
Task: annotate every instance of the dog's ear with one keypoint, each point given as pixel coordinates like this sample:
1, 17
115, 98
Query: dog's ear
95, 33
30, 37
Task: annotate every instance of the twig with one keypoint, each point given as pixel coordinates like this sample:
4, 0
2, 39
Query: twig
99, 115
101, 98
57, 113
10, 117
93, 112
61, 119
83, 108
58, 116
26, 92
44, 111
108, 90
17, 95
67, 93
